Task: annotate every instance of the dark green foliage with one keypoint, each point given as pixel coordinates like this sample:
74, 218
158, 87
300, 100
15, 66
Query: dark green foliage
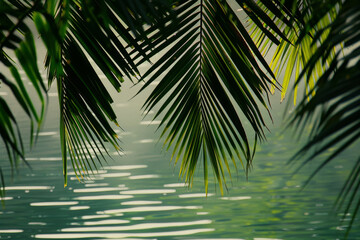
334, 106
73, 31
212, 72
16, 36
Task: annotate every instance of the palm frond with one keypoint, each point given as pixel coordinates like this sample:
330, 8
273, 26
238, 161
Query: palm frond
103, 31
208, 74
79, 37
16, 37
291, 55
334, 111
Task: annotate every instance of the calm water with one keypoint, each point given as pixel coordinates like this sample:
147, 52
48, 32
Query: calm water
139, 195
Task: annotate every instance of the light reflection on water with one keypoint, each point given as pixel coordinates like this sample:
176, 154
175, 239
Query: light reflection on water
104, 197
79, 208
114, 175
149, 191
141, 197
123, 235
104, 222
140, 226
42, 204
9, 188
196, 195
101, 189
11, 230
149, 209
96, 184
176, 185
155, 122
126, 167
37, 223
46, 133
141, 202
236, 198
45, 159
147, 176
141, 193
94, 216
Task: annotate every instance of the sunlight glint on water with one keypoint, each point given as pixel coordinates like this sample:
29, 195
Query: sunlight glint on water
139, 194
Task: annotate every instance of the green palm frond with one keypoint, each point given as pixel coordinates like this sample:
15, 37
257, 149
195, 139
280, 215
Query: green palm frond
16, 37
291, 55
350, 195
211, 73
334, 111
103, 31
76, 35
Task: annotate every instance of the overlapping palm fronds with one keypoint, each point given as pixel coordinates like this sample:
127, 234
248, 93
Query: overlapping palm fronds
211, 71
291, 56
334, 111
15, 36
78, 35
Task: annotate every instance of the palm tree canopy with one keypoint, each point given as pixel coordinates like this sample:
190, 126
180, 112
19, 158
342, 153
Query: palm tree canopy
71, 31
212, 68
213, 75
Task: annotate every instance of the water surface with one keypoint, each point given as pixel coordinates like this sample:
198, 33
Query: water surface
138, 194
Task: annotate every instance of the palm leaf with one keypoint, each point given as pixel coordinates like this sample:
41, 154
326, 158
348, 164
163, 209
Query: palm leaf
103, 31
16, 37
209, 73
335, 109
74, 32
292, 54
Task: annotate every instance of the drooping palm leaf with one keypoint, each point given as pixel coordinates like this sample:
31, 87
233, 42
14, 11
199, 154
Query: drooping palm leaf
334, 111
291, 55
75, 34
208, 75
16, 37
101, 30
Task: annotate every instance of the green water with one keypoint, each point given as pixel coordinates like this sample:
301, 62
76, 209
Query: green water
139, 195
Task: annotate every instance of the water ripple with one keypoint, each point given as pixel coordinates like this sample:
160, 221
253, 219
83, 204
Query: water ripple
104, 197
150, 122
195, 195
122, 235
149, 191
96, 184
140, 202
126, 167
140, 226
43, 204
11, 230
176, 185
37, 223
104, 189
108, 221
85, 217
29, 188
111, 175
146, 176
46, 133
79, 208
149, 209
236, 198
